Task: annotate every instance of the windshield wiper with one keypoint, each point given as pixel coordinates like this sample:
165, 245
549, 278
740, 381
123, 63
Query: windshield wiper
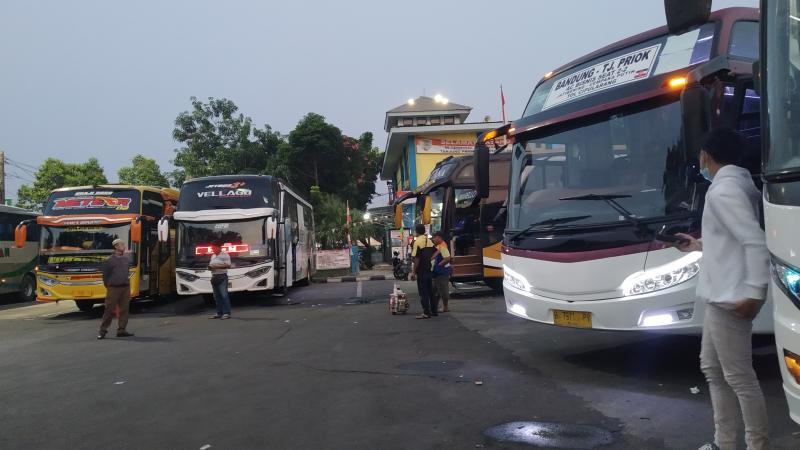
610, 200
553, 221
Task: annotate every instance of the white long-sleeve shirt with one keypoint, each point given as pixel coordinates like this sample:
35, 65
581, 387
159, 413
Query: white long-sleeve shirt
735, 262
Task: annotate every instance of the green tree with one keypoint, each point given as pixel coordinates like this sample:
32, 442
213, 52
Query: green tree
54, 174
317, 154
143, 171
218, 141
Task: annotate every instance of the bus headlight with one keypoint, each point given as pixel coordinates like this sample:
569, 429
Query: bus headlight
515, 280
788, 279
258, 272
47, 281
186, 276
663, 277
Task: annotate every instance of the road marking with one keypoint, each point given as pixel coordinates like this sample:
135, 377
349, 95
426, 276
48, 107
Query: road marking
358, 290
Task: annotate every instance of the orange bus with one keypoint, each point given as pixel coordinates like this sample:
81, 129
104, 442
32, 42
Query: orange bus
76, 229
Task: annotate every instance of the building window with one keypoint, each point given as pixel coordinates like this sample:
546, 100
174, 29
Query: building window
408, 122
449, 120
421, 121
436, 120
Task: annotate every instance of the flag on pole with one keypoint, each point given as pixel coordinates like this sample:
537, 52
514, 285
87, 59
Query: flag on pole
503, 103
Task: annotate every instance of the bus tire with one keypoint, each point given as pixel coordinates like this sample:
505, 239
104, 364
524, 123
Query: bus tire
84, 306
208, 300
495, 283
27, 289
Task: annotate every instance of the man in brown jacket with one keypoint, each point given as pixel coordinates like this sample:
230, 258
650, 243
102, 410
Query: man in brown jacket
118, 289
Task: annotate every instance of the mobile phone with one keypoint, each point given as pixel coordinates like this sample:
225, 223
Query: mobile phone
671, 238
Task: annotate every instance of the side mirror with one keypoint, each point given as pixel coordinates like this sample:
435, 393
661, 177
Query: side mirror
136, 230
683, 14
694, 109
481, 165
426, 211
20, 235
163, 229
398, 215
272, 227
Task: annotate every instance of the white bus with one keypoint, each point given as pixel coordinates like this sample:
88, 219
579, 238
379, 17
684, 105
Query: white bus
604, 163
265, 226
17, 263
780, 69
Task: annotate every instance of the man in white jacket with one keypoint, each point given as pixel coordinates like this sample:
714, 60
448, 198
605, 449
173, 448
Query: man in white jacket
733, 281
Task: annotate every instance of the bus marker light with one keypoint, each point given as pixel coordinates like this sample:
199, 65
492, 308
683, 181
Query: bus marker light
677, 82
792, 364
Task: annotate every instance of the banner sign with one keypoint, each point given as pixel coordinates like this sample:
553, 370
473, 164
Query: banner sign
627, 68
333, 259
444, 145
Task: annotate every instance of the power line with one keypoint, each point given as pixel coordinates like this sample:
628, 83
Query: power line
21, 163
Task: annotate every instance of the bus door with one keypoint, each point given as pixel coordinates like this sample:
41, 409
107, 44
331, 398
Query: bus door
301, 252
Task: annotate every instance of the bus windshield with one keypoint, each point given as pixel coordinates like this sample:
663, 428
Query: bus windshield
783, 85
244, 241
620, 153
85, 246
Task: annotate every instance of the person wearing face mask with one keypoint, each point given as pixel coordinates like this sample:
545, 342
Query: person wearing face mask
733, 280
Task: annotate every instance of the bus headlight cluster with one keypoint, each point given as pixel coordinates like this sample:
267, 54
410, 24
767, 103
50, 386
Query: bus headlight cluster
47, 281
515, 280
258, 272
186, 276
663, 277
788, 279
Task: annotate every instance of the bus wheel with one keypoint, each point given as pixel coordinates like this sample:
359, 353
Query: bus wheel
208, 299
27, 289
495, 283
84, 305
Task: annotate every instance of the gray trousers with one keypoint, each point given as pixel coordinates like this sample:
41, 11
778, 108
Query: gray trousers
726, 358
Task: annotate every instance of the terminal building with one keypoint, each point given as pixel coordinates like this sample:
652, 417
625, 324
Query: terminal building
422, 132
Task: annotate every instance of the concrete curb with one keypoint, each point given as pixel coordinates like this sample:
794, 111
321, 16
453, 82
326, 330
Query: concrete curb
349, 279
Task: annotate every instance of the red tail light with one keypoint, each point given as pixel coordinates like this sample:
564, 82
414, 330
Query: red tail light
227, 247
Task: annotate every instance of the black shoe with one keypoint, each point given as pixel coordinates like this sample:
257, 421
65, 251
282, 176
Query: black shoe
101, 334
123, 333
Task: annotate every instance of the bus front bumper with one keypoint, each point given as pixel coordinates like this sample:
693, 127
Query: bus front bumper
674, 310
253, 278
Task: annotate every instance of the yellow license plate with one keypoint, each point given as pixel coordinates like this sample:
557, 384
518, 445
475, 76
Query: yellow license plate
575, 319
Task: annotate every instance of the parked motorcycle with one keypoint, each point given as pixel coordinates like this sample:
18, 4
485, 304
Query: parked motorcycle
401, 268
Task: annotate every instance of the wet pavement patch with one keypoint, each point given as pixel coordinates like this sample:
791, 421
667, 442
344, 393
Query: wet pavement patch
363, 301
551, 435
431, 366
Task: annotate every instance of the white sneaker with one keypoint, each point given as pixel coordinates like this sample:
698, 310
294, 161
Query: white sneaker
709, 446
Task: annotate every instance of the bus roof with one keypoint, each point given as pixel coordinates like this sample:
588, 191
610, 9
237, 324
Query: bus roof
14, 210
224, 177
726, 14
167, 192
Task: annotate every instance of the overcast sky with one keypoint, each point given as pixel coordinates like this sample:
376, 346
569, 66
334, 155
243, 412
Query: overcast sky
107, 79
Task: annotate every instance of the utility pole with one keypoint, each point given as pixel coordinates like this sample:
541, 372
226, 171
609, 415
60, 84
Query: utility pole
3, 177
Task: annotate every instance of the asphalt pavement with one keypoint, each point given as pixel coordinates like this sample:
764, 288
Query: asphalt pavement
327, 366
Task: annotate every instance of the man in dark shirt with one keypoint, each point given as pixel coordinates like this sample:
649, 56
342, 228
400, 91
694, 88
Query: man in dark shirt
118, 289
